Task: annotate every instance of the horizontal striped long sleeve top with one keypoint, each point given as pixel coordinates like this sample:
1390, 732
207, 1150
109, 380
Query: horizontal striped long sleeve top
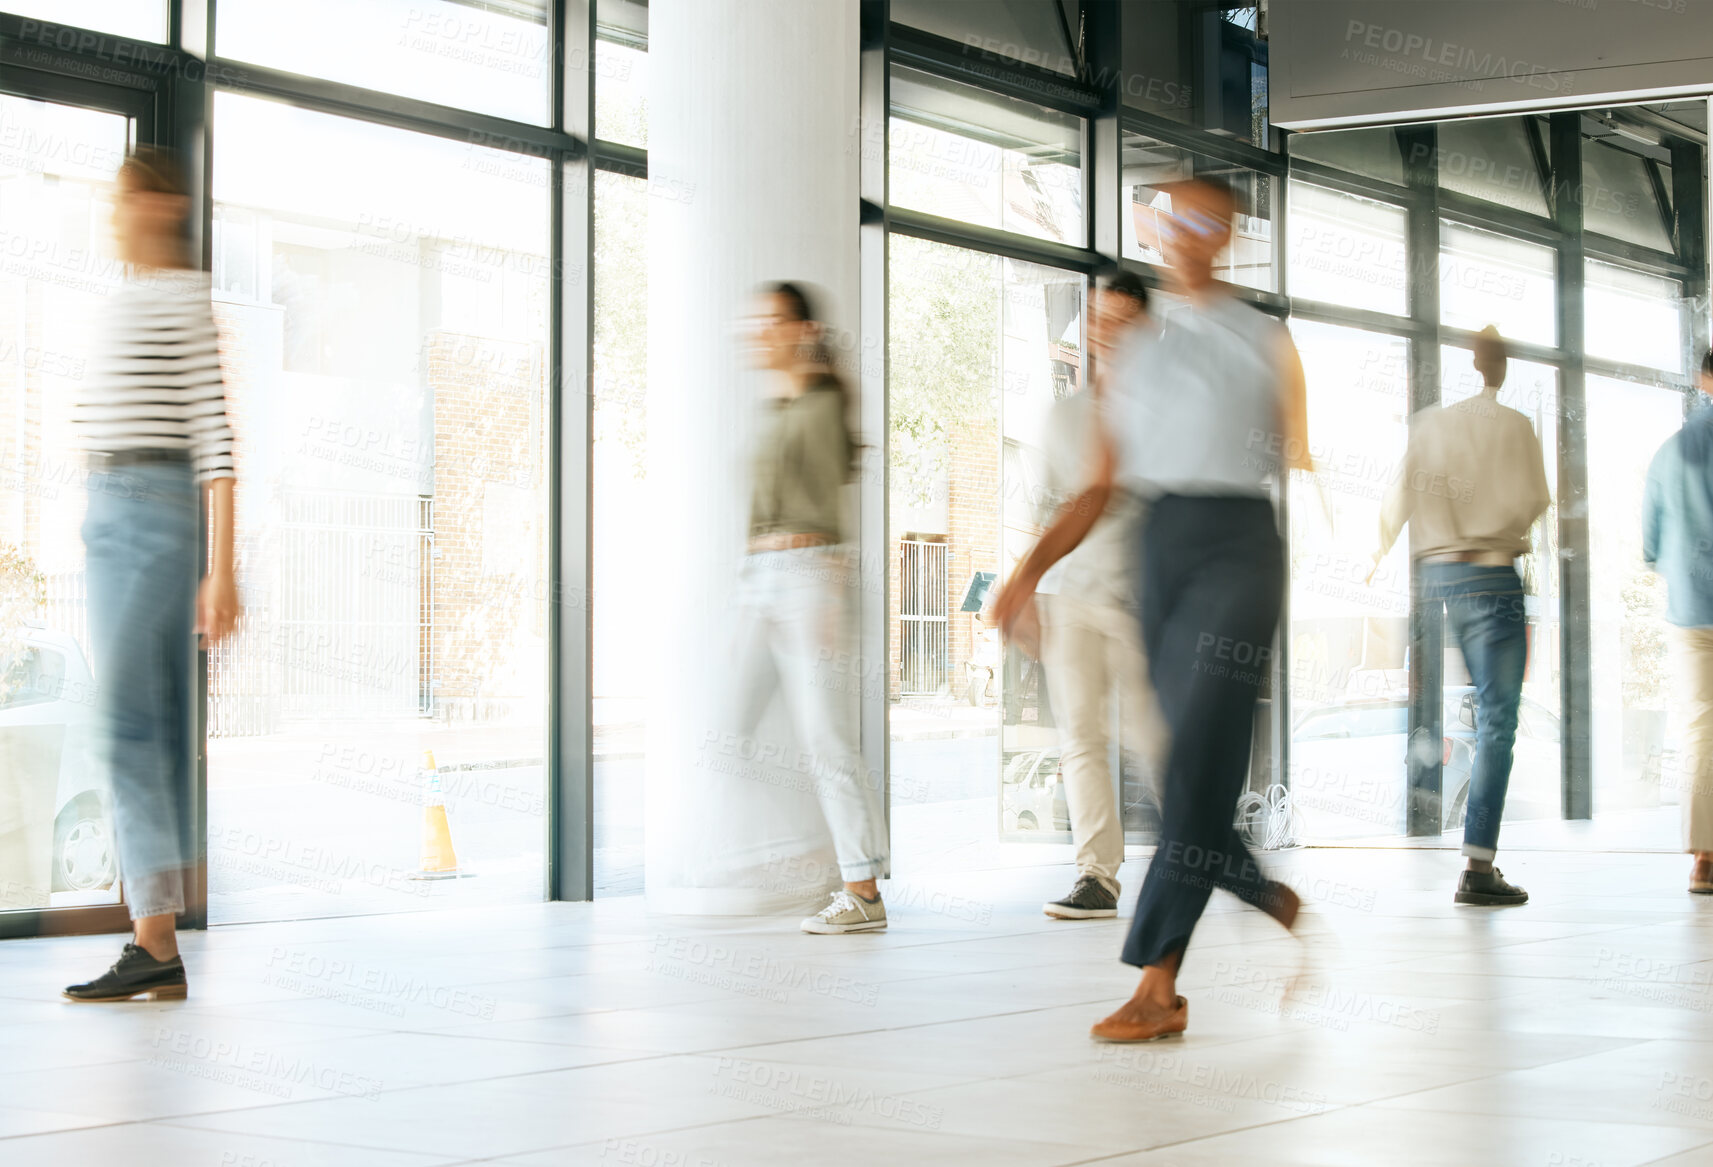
154, 383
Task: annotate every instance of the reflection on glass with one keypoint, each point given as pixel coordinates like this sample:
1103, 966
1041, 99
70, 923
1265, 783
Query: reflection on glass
491, 58
1488, 279
1633, 317
1346, 250
1349, 634
1371, 153
620, 498
1491, 159
962, 154
56, 838
1200, 63
144, 20
621, 93
1150, 166
1630, 662
1618, 196
1534, 792
386, 338
980, 348
1030, 31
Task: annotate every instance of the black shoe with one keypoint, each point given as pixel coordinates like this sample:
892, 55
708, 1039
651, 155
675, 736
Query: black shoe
1489, 888
135, 974
1088, 900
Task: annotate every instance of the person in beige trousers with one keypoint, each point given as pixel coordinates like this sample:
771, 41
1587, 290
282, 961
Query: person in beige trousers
1090, 643
1677, 542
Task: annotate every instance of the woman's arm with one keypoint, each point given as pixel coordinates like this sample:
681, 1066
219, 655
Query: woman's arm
217, 598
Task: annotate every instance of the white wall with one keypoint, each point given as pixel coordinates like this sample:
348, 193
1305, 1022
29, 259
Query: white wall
1354, 62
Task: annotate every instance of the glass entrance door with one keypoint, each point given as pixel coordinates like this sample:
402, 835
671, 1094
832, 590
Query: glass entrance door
58, 867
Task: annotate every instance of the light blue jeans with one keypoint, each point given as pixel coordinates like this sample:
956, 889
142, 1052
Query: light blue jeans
141, 540
1484, 609
790, 639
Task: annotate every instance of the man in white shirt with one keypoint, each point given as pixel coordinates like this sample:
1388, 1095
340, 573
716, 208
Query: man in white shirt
1090, 642
1472, 485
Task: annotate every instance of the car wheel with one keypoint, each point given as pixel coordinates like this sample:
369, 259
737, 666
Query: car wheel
1026, 822
83, 847
1456, 808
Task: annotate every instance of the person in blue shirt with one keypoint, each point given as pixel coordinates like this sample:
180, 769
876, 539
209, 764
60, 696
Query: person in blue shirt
1677, 542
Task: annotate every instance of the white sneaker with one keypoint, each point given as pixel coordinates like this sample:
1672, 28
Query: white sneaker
847, 913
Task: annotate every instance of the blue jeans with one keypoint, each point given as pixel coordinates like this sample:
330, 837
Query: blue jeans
141, 540
1484, 609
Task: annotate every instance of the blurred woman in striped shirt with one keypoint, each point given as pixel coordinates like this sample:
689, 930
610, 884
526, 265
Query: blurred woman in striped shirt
152, 417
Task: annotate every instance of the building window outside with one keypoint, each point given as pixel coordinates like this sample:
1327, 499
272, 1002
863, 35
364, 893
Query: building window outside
385, 341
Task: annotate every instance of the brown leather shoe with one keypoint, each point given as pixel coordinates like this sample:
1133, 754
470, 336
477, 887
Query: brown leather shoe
1116, 1029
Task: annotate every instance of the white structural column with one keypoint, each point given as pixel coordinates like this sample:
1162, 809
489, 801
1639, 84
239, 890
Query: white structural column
754, 165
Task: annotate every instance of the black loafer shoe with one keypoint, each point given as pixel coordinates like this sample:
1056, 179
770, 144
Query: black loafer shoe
1489, 889
135, 974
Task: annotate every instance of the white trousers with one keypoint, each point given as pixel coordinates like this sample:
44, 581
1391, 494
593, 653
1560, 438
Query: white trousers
1090, 650
790, 638
1695, 680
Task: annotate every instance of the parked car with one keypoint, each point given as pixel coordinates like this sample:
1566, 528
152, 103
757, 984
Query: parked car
1535, 790
1032, 793
51, 690
1349, 764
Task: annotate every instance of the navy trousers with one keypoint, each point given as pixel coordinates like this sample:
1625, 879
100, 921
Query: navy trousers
1212, 576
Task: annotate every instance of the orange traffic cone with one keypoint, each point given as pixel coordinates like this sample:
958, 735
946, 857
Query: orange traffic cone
439, 861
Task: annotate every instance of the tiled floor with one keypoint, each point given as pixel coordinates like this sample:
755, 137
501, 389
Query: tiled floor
1576, 1031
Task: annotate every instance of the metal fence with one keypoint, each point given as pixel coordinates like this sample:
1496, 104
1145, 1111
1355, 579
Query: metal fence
68, 607
925, 662
349, 600
338, 595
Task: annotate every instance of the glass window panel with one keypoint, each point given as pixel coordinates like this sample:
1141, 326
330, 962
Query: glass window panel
625, 21
963, 154
1488, 279
56, 181
1347, 250
386, 343
621, 93
1633, 317
1690, 112
1491, 159
143, 20
1198, 63
1023, 30
1349, 632
1534, 794
620, 476
979, 349
1150, 165
1636, 765
1618, 197
1371, 153
478, 57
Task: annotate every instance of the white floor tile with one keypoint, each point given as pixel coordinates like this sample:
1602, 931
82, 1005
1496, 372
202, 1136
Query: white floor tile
1579, 1026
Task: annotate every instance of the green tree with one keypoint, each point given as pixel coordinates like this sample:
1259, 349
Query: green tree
943, 322
22, 593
